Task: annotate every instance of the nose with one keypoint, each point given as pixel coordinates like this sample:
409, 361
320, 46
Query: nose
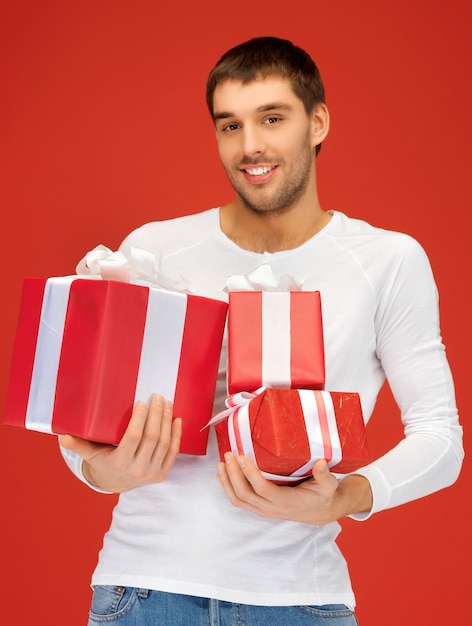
252, 140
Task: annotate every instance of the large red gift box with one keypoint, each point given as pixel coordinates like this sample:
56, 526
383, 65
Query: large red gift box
87, 349
275, 339
284, 431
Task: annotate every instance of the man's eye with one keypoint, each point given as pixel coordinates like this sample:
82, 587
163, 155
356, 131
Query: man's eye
271, 120
231, 127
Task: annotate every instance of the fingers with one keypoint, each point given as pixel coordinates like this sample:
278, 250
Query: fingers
162, 434
149, 427
135, 429
250, 479
152, 438
232, 479
244, 485
173, 447
155, 431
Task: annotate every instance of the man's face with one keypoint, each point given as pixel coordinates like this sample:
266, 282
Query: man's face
265, 142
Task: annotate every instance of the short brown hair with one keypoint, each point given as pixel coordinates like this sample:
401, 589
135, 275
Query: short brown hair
263, 56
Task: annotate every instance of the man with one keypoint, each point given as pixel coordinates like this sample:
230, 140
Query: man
183, 549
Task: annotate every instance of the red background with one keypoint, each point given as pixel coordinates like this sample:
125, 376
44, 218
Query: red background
103, 127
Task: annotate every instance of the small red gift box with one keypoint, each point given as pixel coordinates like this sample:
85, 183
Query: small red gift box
275, 339
284, 431
87, 349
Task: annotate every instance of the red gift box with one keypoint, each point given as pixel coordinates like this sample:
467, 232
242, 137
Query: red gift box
284, 431
87, 349
275, 339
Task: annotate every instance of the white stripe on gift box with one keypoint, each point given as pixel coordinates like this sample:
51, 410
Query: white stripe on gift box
231, 432
48, 351
239, 420
276, 349
314, 431
160, 358
336, 449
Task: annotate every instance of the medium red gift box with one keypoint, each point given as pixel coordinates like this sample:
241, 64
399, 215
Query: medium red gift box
275, 339
87, 349
284, 431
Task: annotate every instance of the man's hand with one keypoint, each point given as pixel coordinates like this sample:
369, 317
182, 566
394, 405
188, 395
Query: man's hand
144, 455
319, 500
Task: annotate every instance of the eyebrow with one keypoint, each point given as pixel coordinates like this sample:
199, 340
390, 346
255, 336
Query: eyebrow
271, 106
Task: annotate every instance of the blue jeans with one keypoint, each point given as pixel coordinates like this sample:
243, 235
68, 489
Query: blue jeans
126, 606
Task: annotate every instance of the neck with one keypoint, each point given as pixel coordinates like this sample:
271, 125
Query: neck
267, 232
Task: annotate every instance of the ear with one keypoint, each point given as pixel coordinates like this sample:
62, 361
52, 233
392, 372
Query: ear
320, 123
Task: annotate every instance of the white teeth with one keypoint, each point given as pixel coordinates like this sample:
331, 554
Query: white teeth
258, 171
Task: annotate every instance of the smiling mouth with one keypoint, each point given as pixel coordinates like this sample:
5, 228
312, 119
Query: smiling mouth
259, 171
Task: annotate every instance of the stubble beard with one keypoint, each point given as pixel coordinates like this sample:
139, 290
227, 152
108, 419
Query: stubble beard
282, 199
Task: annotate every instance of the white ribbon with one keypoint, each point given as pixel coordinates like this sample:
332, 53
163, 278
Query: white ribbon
162, 343
139, 266
109, 265
48, 351
262, 279
276, 340
233, 403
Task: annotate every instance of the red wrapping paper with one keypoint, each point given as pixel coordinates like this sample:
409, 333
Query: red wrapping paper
280, 422
81, 371
275, 339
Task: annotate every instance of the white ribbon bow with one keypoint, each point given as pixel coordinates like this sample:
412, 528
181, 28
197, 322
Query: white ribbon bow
262, 279
140, 266
101, 261
233, 403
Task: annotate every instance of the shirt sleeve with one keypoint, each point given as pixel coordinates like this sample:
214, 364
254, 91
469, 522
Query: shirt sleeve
413, 356
74, 462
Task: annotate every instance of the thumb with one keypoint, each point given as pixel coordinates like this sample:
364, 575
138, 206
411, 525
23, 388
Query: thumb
82, 447
320, 470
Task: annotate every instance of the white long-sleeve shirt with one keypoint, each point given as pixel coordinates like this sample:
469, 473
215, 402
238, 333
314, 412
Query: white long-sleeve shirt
380, 319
